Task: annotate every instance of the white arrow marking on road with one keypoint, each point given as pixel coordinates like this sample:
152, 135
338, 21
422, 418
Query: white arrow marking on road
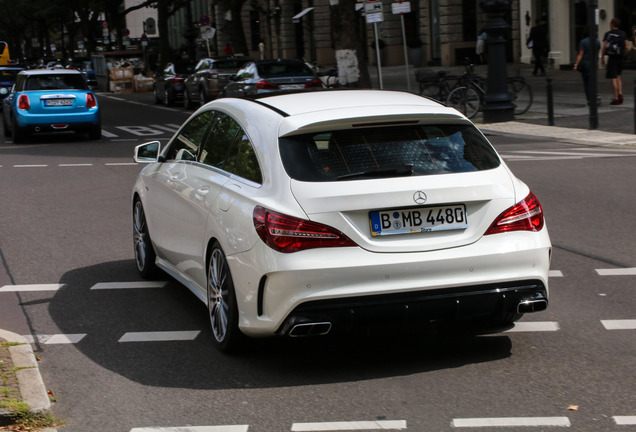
162, 336
539, 326
512, 421
352, 425
33, 287
127, 285
619, 324
617, 272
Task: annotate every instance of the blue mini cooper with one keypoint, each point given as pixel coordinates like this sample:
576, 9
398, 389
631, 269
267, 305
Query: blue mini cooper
45, 101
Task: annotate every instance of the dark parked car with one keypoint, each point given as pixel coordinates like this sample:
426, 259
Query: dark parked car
210, 76
169, 82
265, 76
7, 78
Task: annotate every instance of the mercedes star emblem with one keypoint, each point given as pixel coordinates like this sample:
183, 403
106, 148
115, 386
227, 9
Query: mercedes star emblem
419, 197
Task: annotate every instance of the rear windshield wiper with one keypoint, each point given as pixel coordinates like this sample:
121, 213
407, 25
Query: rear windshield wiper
391, 171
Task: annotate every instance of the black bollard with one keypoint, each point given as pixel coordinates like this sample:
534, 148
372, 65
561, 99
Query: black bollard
550, 102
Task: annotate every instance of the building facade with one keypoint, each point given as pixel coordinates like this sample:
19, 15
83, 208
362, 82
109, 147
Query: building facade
437, 32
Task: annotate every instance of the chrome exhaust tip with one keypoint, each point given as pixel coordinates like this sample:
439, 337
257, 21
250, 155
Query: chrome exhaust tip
528, 306
310, 329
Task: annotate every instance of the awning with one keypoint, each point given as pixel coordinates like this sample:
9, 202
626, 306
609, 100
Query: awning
296, 18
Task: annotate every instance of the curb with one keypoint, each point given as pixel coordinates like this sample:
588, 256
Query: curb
32, 387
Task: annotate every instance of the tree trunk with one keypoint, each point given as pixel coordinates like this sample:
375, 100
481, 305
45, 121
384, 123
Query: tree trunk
350, 58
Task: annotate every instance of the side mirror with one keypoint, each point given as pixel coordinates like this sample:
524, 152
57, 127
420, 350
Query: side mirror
148, 152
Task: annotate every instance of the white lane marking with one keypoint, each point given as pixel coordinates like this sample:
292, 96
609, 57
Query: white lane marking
625, 420
30, 166
221, 428
350, 425
628, 324
555, 273
160, 336
538, 326
617, 272
511, 422
33, 287
169, 127
56, 339
120, 163
76, 165
565, 153
107, 134
127, 285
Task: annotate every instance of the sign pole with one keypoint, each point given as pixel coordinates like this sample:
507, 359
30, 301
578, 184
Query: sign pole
406, 57
377, 54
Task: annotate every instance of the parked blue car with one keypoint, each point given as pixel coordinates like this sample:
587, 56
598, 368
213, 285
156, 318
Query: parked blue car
45, 101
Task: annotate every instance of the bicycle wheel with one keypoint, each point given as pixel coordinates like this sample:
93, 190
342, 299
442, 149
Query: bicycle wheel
432, 90
520, 94
466, 100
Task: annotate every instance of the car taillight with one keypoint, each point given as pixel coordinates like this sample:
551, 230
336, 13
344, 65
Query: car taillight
91, 102
290, 234
177, 79
265, 85
526, 215
314, 83
23, 102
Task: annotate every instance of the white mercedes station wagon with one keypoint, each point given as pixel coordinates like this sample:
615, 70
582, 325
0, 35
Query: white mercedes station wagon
307, 213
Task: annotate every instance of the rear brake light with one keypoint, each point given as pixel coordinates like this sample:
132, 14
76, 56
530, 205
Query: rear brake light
290, 234
91, 102
23, 102
526, 215
314, 83
177, 79
265, 85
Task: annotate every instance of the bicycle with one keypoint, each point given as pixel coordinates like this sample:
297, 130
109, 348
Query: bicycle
435, 85
468, 96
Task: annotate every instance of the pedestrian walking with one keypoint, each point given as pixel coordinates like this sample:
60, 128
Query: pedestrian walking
480, 47
614, 47
584, 63
538, 42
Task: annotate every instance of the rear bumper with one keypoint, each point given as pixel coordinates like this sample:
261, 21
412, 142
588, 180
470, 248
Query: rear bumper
465, 304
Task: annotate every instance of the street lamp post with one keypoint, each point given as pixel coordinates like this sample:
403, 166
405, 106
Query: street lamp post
497, 104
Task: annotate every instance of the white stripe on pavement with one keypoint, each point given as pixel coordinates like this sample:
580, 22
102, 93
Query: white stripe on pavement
128, 285
108, 134
120, 163
617, 272
538, 326
555, 273
223, 428
619, 324
625, 420
56, 339
33, 287
511, 422
30, 166
76, 165
351, 425
161, 336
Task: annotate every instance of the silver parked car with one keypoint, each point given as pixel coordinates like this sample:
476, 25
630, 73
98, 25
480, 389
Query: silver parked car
210, 76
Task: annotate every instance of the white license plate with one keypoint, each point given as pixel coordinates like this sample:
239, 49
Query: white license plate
291, 86
417, 220
58, 102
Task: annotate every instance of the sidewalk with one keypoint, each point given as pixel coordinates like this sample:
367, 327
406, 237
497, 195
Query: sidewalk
571, 114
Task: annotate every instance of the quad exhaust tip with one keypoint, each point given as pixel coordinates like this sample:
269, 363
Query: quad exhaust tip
528, 306
310, 329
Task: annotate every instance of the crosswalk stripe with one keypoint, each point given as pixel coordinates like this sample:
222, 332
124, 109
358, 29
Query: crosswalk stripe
627, 324
221, 428
128, 285
56, 339
537, 326
32, 287
625, 420
350, 425
511, 422
160, 336
617, 272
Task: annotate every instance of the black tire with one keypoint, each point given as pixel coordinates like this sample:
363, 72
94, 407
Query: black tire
157, 98
520, 94
433, 91
5, 128
466, 100
95, 133
144, 251
166, 98
202, 99
222, 307
18, 133
187, 102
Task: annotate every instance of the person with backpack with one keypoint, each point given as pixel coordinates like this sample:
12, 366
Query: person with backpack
614, 47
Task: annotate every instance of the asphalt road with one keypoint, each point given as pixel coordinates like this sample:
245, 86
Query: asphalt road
120, 355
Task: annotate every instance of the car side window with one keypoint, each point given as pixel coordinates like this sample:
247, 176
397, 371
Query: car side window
243, 160
219, 141
185, 145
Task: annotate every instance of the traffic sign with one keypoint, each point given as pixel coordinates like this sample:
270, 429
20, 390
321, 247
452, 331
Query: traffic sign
400, 8
373, 7
204, 20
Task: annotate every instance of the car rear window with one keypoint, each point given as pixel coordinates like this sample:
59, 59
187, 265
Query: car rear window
275, 69
56, 82
229, 64
415, 150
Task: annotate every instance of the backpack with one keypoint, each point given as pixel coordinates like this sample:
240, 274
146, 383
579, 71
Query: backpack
613, 46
